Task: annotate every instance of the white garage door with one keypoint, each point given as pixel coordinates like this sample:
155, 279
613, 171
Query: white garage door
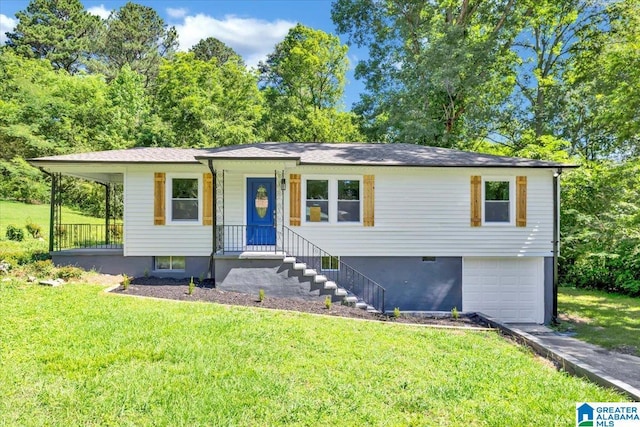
509, 289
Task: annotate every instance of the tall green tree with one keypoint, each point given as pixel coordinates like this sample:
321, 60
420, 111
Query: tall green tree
207, 104
605, 83
211, 47
61, 31
537, 115
136, 36
303, 81
437, 71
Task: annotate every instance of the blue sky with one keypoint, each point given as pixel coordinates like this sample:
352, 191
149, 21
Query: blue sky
251, 27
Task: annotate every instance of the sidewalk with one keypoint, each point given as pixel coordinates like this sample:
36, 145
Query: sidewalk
602, 366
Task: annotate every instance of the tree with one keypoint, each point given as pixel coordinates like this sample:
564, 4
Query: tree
538, 113
61, 31
303, 82
437, 71
207, 104
605, 82
211, 47
136, 36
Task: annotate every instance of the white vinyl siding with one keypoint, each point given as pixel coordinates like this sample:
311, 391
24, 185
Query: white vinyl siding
426, 211
142, 237
418, 211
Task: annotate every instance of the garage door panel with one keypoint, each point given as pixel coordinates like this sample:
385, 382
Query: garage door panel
510, 289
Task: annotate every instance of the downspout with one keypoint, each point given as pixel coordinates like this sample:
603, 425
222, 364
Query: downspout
51, 207
214, 218
556, 242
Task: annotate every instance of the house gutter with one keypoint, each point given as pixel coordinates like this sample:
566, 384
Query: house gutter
556, 242
213, 216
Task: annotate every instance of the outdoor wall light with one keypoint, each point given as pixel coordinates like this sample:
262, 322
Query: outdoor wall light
283, 184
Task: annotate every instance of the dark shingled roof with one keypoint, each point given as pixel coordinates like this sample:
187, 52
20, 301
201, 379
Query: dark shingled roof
310, 153
131, 155
370, 154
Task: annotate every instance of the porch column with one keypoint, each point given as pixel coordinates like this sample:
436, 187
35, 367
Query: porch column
55, 212
107, 212
219, 211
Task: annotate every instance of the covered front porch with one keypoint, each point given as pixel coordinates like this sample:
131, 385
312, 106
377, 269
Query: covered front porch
90, 236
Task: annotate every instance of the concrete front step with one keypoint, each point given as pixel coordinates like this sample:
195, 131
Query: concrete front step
341, 292
320, 279
329, 285
309, 272
299, 266
289, 260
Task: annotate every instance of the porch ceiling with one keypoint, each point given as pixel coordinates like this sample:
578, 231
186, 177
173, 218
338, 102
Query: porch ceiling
104, 173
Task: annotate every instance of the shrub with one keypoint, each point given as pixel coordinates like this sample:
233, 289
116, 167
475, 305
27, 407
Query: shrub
455, 315
14, 233
396, 312
261, 295
191, 286
69, 272
34, 230
125, 282
327, 302
42, 268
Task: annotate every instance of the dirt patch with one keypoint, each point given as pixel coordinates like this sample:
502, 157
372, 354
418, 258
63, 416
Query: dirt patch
574, 319
204, 291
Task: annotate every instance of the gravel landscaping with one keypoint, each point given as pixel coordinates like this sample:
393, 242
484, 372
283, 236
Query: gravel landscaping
204, 291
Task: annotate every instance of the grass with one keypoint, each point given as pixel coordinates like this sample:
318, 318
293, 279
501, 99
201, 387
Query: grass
19, 214
76, 356
609, 320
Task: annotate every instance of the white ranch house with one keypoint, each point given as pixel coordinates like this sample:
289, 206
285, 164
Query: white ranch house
381, 225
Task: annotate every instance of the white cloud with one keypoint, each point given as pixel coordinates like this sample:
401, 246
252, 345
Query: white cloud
252, 38
6, 25
101, 11
177, 13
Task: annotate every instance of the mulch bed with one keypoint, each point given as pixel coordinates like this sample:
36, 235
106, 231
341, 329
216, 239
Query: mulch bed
204, 291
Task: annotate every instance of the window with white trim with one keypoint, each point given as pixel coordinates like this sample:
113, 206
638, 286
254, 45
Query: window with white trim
169, 263
330, 263
497, 200
333, 200
184, 194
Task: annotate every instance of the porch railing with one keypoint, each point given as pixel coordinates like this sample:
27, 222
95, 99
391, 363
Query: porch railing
238, 238
87, 236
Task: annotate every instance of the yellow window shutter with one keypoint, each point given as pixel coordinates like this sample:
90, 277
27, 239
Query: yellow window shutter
521, 201
476, 201
158, 198
207, 198
369, 201
294, 199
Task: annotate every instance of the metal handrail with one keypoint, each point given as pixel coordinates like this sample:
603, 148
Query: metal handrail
333, 268
88, 236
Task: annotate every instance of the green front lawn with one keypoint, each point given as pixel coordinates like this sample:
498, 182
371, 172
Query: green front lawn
76, 356
608, 320
18, 214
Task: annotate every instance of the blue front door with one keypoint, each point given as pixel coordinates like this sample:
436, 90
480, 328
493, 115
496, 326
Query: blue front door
261, 204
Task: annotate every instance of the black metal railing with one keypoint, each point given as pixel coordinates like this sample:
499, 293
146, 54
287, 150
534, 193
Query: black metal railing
333, 268
240, 238
87, 236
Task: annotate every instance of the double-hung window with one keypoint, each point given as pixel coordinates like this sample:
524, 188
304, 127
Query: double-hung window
183, 193
333, 200
498, 200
